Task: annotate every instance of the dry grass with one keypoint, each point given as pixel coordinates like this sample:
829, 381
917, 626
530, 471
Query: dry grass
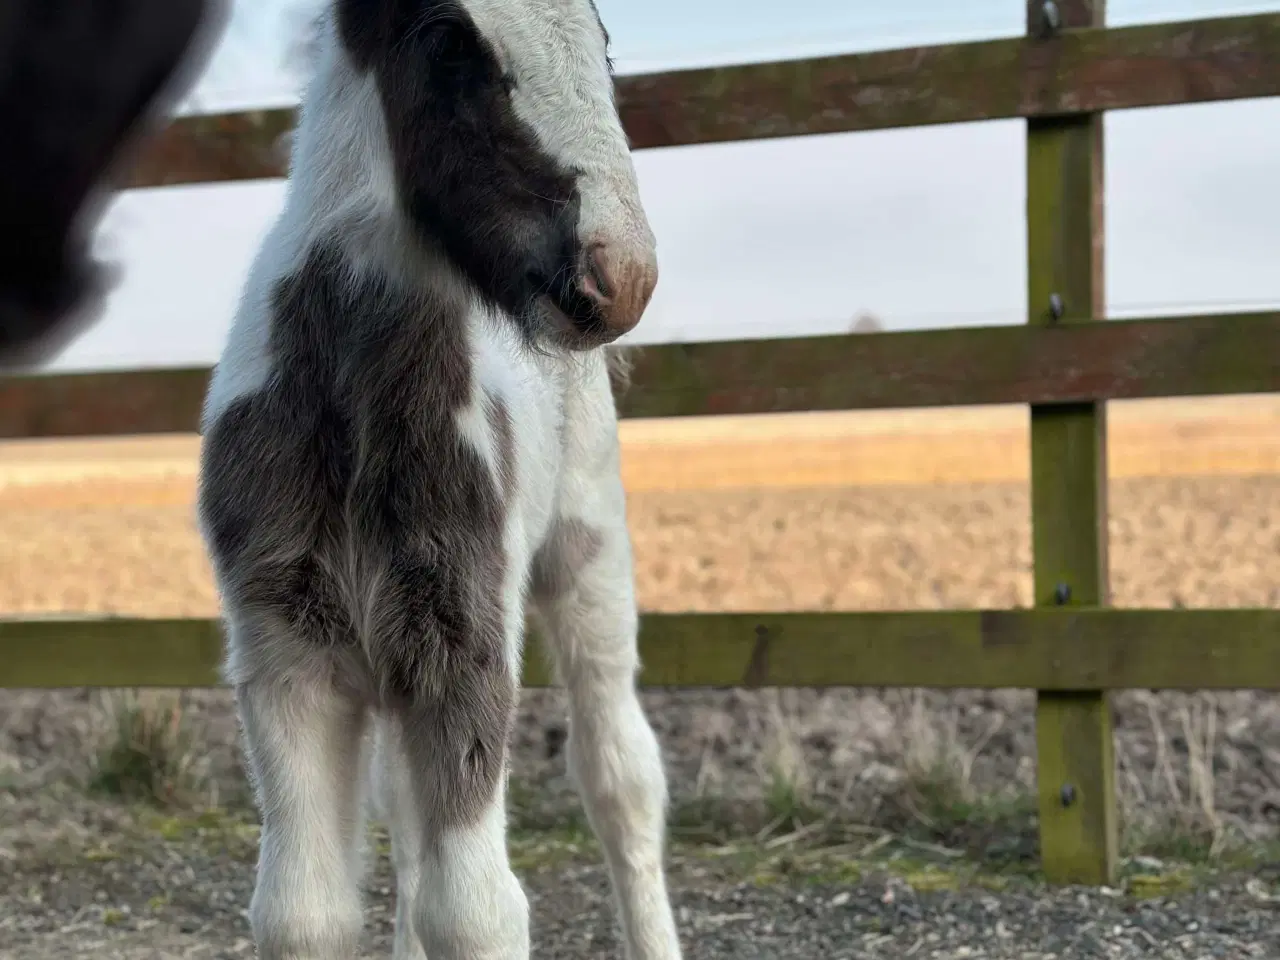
148, 751
109, 528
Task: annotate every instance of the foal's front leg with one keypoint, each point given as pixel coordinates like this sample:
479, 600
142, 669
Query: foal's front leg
584, 598
394, 789
467, 904
303, 739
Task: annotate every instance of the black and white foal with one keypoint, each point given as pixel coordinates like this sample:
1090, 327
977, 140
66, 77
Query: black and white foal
409, 436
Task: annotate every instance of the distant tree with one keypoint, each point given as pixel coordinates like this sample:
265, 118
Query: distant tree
866, 322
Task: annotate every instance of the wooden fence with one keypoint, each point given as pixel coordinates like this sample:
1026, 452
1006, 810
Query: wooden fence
1063, 363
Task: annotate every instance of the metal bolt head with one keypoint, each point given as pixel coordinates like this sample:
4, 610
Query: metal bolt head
1052, 16
1067, 795
1061, 594
1056, 307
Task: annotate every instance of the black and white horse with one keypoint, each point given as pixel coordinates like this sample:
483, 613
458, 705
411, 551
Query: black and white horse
410, 439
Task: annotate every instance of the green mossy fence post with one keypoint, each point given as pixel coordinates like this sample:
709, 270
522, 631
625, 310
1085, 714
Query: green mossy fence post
1065, 230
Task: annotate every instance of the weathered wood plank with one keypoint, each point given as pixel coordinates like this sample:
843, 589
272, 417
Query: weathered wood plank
1073, 73
102, 404
1186, 356
1180, 356
217, 147
1078, 72
1066, 649
1065, 235
112, 652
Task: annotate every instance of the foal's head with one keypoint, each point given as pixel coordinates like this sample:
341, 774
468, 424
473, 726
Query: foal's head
508, 154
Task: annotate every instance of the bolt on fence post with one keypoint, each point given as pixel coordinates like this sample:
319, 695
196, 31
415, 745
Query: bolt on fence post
1056, 307
1052, 16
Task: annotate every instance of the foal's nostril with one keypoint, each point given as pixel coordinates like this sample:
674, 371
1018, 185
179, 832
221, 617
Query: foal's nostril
537, 280
618, 281
596, 282
607, 290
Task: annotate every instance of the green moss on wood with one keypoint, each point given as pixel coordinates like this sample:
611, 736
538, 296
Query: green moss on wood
1065, 229
1067, 649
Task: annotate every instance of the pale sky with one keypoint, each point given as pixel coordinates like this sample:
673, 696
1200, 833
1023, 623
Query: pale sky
922, 227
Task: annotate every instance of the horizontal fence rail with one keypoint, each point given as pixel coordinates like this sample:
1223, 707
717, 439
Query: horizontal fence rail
1078, 71
1117, 360
1059, 650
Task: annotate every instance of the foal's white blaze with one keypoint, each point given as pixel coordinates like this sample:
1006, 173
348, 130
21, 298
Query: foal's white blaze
555, 51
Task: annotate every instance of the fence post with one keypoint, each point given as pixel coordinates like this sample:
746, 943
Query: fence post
1078, 833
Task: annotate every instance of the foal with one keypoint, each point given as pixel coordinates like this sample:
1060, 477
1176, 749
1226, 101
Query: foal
409, 435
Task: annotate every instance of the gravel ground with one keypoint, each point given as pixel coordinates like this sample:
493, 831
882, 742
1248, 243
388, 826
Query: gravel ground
117, 891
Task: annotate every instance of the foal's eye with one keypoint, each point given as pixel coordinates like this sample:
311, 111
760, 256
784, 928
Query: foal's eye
508, 83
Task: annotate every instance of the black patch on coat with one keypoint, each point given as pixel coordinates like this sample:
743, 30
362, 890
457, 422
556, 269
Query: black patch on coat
350, 450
